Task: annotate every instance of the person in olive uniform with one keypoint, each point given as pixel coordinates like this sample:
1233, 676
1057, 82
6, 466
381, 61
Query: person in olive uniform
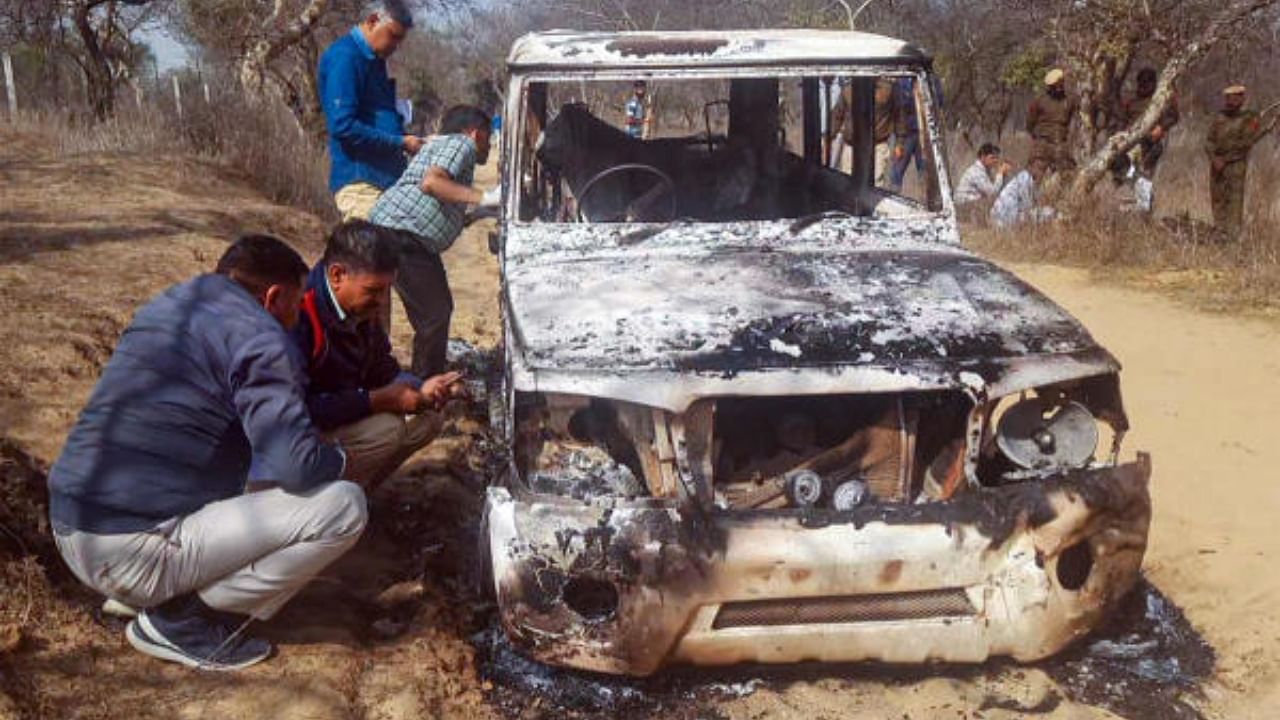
1234, 132
886, 118
1148, 151
1049, 119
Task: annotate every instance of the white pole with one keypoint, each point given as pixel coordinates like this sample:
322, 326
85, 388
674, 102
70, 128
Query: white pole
10, 90
137, 94
206, 94
177, 96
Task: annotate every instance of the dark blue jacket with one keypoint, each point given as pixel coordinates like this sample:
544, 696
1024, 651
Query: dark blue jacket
359, 101
203, 384
345, 358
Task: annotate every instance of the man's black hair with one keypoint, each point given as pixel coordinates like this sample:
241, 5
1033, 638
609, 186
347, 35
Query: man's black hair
363, 247
461, 118
256, 262
1147, 75
988, 149
397, 10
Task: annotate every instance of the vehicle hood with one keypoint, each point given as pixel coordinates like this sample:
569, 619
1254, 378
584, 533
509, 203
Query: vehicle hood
758, 297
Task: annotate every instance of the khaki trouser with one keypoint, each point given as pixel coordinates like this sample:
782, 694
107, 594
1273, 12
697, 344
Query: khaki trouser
355, 201
1226, 191
380, 443
248, 554
883, 162
1058, 156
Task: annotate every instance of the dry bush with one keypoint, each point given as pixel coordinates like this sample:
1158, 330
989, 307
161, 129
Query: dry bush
265, 143
261, 144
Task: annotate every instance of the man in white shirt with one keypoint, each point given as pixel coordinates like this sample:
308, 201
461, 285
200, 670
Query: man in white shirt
981, 183
1016, 203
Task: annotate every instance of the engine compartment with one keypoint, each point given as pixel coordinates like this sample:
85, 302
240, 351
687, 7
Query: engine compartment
834, 452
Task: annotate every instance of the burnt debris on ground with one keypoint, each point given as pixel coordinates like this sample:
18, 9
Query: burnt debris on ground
1147, 663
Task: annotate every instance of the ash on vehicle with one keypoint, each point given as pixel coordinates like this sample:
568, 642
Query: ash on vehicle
583, 472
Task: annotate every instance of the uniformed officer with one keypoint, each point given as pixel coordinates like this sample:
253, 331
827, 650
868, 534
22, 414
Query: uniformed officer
1049, 119
1234, 132
886, 120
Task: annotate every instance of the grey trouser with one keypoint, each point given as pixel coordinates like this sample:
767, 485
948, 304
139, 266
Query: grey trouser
247, 554
424, 290
379, 444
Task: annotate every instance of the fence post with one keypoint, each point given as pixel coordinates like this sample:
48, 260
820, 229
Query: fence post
177, 96
206, 93
10, 90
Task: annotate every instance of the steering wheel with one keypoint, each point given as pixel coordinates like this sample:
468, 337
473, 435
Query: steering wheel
666, 185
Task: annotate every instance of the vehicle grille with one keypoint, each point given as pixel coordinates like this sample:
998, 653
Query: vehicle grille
924, 605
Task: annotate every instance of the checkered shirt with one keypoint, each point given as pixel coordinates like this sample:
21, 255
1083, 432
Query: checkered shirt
404, 206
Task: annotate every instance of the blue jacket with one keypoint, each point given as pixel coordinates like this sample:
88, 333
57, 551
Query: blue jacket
203, 384
346, 357
359, 102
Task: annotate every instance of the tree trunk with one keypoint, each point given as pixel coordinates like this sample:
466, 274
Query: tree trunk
253, 67
97, 69
1219, 26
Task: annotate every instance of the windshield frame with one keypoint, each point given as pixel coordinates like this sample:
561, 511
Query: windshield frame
515, 141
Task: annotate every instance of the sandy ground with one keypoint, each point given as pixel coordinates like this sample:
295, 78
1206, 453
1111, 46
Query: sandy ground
1202, 393
387, 633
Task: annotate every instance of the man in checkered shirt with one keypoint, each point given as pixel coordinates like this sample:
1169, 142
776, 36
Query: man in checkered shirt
427, 205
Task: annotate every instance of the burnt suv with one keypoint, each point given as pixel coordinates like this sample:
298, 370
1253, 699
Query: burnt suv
760, 404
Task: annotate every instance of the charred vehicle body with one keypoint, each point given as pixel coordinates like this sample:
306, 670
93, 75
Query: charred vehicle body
760, 405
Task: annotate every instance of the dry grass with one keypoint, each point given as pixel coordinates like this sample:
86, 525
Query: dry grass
261, 145
1172, 252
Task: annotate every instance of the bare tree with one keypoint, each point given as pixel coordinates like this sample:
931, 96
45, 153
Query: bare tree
97, 35
274, 46
1183, 33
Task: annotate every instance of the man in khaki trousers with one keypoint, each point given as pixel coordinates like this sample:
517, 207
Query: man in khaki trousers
367, 142
357, 393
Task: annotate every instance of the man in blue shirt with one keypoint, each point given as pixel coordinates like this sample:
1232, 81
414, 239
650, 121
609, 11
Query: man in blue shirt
637, 110
203, 395
367, 142
357, 394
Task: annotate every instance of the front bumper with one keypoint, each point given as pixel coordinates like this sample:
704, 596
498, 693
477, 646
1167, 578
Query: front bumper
626, 588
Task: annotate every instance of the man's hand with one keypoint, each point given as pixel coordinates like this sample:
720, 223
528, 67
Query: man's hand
1157, 133
412, 144
1005, 168
438, 390
899, 152
396, 398
492, 196
1219, 165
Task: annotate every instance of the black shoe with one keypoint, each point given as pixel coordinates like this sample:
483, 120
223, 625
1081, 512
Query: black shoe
185, 630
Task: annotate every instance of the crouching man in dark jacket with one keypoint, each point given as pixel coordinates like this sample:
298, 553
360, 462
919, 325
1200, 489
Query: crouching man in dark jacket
203, 394
358, 395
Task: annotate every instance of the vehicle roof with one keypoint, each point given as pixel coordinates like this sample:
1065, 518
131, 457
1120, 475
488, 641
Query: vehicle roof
566, 50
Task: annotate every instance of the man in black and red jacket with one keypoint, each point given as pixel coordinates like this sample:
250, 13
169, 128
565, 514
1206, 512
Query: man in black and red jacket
358, 395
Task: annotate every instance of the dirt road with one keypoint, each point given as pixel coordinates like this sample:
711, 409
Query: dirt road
384, 635
1203, 393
